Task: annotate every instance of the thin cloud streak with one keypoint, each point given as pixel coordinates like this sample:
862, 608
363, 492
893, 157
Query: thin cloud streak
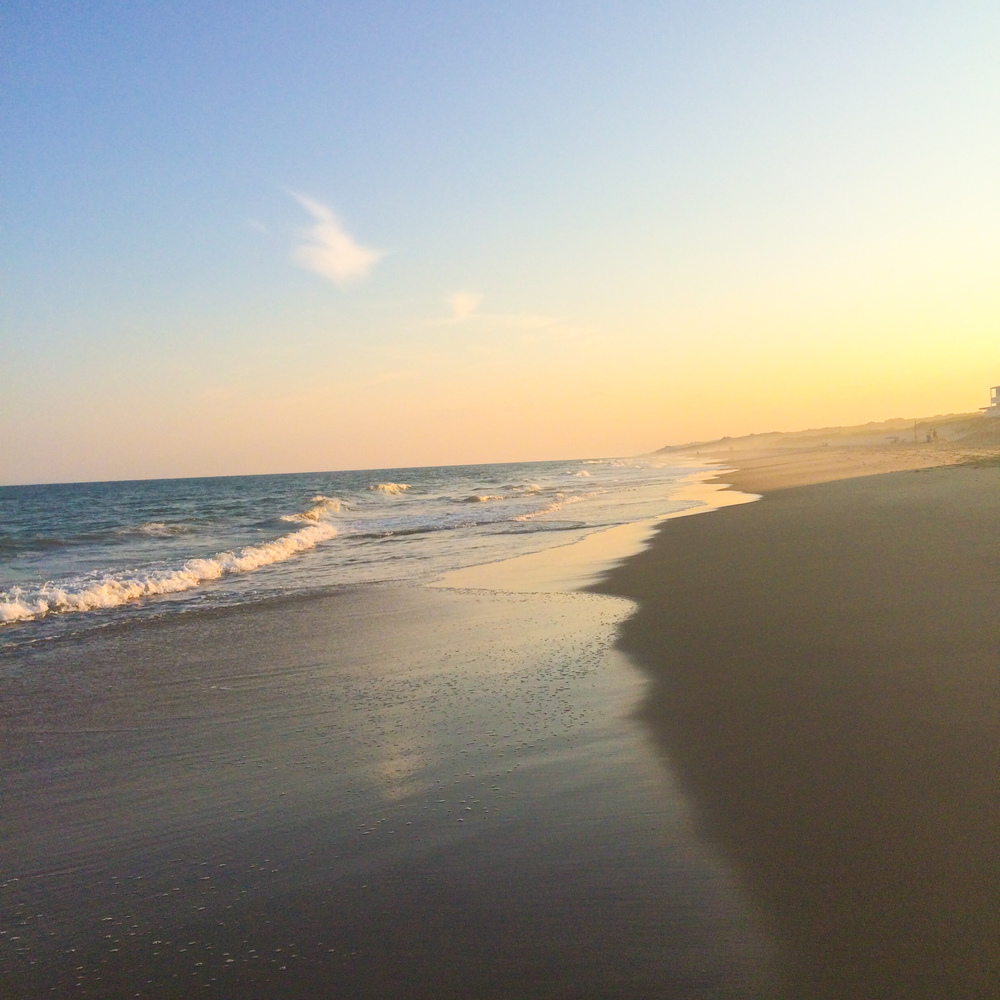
465, 309
330, 250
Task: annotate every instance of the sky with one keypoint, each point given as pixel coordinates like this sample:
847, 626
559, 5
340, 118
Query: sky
254, 237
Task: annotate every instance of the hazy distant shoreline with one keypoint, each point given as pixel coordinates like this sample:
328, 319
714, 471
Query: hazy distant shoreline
760, 462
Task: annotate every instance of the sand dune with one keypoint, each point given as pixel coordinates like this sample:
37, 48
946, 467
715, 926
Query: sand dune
761, 462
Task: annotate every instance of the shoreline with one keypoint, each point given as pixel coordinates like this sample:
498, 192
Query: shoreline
579, 565
386, 792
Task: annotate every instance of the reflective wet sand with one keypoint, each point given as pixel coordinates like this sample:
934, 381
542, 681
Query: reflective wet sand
383, 792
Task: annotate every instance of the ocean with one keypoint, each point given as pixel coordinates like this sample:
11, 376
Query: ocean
79, 556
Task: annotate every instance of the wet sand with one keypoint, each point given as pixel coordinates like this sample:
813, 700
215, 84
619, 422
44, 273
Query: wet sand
386, 792
825, 670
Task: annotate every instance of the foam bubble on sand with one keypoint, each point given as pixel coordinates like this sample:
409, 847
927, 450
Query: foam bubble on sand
392, 488
112, 591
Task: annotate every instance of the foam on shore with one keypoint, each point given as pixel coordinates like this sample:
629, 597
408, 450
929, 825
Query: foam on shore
582, 563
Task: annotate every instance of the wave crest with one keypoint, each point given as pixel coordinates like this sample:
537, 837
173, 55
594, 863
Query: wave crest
150, 529
561, 501
111, 592
154, 529
392, 488
323, 507
481, 498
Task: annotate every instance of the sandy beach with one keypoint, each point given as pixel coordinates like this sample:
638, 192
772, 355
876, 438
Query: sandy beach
756, 759
824, 683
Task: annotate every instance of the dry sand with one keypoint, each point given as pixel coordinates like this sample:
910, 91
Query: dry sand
826, 684
761, 462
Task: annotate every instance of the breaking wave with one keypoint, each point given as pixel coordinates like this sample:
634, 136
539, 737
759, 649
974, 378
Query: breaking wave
481, 498
393, 488
111, 591
324, 506
154, 529
558, 504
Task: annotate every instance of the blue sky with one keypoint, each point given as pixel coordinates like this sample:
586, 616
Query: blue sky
567, 228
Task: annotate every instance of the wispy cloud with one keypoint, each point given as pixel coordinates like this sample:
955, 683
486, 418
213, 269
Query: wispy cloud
329, 249
464, 308
463, 305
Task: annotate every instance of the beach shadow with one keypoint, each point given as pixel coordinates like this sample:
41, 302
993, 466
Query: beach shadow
824, 687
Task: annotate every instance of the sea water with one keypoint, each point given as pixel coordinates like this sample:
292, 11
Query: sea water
79, 556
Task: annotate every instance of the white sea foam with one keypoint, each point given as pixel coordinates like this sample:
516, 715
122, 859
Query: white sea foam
394, 488
481, 498
558, 504
154, 529
324, 507
111, 591
583, 473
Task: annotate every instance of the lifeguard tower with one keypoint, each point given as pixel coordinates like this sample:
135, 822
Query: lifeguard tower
993, 410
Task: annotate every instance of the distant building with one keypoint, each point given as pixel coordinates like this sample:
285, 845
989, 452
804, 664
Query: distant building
993, 410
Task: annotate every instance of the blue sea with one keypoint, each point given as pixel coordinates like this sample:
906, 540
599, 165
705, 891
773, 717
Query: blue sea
74, 557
